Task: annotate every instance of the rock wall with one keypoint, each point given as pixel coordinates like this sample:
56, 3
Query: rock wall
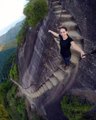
84, 12
39, 48
39, 56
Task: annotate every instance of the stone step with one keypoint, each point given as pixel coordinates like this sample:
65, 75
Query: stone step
67, 71
41, 90
28, 90
49, 84
54, 80
45, 87
59, 74
56, 2
76, 56
57, 7
76, 52
66, 17
70, 25
36, 94
75, 35
78, 41
58, 12
74, 59
61, 66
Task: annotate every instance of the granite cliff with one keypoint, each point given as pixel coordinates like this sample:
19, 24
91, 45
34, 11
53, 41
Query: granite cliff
43, 79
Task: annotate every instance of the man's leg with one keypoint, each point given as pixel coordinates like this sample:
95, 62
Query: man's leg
67, 61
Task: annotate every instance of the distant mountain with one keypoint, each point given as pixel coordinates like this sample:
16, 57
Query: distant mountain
11, 34
4, 56
8, 47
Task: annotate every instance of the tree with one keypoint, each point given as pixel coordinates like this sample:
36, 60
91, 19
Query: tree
35, 11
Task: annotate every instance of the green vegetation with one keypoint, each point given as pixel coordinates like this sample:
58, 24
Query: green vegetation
35, 116
34, 11
15, 106
3, 113
22, 33
89, 115
74, 107
14, 74
12, 107
10, 68
6, 58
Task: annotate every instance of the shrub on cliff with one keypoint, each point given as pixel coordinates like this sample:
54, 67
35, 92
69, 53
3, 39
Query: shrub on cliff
35, 11
8, 63
22, 33
74, 107
14, 74
15, 106
3, 113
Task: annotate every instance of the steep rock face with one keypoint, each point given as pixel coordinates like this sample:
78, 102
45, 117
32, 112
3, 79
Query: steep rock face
26, 51
84, 13
35, 53
39, 59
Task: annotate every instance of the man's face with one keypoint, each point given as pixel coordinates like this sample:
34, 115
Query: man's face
63, 32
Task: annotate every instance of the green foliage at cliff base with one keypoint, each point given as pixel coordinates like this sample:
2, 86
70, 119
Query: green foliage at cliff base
12, 105
75, 107
3, 113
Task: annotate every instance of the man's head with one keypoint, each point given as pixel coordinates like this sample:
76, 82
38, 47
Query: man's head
63, 31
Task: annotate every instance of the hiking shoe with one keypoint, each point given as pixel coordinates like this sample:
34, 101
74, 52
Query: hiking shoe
66, 67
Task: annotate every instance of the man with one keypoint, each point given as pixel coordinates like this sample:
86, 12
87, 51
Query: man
65, 43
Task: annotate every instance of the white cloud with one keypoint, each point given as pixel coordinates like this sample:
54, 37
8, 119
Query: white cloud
10, 12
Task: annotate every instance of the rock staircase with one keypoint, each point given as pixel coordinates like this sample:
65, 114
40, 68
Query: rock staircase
60, 75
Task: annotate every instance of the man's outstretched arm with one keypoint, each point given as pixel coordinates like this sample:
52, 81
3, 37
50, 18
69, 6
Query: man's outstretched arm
53, 33
77, 48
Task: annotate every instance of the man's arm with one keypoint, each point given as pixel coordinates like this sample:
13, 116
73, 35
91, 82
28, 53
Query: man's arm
53, 33
77, 48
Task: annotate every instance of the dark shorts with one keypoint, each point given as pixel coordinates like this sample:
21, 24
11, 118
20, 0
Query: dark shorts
66, 60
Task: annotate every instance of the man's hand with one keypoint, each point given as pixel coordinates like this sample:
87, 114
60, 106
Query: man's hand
53, 33
83, 55
49, 31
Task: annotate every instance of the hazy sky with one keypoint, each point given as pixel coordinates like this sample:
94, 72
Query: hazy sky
11, 11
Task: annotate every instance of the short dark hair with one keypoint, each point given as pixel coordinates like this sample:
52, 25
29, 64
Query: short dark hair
62, 27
